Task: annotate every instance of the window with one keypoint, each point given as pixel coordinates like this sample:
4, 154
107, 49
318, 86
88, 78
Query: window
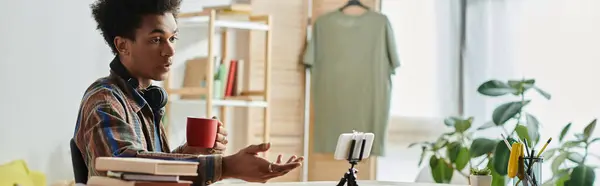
425, 85
556, 44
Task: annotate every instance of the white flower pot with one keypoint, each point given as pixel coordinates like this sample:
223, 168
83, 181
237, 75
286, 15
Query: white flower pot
480, 180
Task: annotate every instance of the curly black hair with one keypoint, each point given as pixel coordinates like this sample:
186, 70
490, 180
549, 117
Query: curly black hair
123, 17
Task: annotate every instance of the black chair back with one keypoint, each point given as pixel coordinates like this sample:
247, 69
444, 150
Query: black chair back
79, 168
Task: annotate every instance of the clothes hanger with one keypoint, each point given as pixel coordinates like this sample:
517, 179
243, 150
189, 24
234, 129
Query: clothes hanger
353, 3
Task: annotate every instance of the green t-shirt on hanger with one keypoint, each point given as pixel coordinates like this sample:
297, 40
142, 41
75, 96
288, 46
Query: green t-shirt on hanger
352, 58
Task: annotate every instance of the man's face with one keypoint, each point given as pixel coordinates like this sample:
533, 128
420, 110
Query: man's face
153, 49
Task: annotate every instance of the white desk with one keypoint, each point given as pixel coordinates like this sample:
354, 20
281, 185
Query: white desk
332, 183
325, 183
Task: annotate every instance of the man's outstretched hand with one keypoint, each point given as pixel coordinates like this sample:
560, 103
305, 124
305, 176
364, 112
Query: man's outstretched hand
248, 166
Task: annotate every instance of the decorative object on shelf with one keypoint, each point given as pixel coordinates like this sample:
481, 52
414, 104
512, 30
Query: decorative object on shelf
480, 177
456, 150
570, 160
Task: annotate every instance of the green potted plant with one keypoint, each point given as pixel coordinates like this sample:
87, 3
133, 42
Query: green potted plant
480, 177
457, 149
570, 166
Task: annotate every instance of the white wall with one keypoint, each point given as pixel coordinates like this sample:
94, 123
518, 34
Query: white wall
48, 57
49, 54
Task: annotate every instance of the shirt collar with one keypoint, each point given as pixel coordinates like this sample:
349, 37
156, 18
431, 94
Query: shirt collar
132, 95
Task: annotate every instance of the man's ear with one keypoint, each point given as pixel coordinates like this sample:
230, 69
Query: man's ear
122, 45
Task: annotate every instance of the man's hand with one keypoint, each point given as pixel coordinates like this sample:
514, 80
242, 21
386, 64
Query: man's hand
248, 166
221, 142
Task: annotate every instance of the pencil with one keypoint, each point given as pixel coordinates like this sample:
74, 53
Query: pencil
544, 147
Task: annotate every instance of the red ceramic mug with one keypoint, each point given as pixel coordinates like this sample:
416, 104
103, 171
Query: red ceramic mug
201, 132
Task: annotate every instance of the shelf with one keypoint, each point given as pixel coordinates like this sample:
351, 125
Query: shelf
235, 16
188, 91
198, 91
227, 103
235, 24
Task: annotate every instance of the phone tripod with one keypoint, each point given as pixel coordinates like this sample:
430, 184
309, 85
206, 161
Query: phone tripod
350, 176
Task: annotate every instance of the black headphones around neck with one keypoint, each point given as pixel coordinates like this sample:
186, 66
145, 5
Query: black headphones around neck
155, 96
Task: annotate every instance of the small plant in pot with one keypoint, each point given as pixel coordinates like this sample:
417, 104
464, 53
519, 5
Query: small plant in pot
480, 177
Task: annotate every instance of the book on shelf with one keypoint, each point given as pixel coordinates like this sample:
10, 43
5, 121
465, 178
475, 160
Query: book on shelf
231, 78
228, 78
235, 78
195, 75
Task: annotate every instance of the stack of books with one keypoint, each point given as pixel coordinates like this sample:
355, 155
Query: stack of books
142, 172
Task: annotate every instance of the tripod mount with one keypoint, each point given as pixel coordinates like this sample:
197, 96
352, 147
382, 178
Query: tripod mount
350, 176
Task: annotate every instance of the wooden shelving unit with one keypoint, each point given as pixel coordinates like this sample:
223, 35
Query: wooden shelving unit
216, 19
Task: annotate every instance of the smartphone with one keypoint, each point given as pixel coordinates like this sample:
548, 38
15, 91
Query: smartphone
344, 145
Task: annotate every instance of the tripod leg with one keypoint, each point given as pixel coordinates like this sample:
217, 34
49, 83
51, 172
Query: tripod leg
343, 180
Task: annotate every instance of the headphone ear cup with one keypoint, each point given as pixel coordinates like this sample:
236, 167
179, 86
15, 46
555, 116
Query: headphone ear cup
156, 97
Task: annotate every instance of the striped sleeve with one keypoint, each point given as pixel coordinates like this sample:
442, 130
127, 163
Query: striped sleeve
103, 131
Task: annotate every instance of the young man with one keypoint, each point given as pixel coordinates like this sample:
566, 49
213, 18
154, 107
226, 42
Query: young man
120, 115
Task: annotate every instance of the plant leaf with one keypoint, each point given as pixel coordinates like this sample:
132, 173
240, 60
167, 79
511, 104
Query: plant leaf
450, 121
463, 125
481, 146
533, 129
558, 161
523, 134
581, 175
507, 111
460, 125
463, 158
495, 88
575, 157
564, 132
441, 171
449, 133
440, 143
589, 129
487, 125
559, 178
500, 159
497, 179
549, 153
513, 83
422, 156
417, 143
543, 93
522, 85
571, 144
448, 171
433, 161
453, 150
594, 140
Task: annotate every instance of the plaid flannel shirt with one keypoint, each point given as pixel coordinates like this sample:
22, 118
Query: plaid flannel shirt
115, 120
